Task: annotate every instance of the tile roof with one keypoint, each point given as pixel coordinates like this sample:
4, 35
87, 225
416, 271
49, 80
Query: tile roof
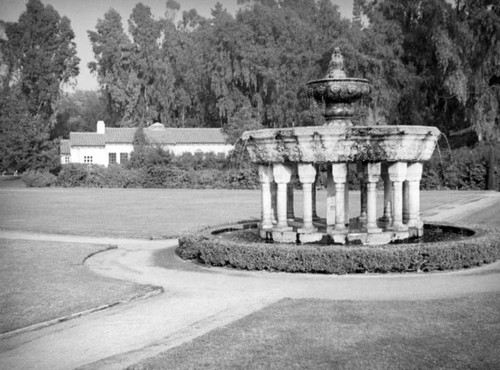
155, 134
196, 135
87, 139
120, 135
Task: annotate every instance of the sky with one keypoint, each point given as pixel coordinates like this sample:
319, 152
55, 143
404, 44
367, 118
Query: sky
84, 14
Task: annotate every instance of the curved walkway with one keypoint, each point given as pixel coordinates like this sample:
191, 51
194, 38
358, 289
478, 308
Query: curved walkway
198, 299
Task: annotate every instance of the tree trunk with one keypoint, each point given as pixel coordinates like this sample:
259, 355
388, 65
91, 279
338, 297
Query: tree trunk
491, 169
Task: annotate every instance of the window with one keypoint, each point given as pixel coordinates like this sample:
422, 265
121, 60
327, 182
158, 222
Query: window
66, 159
112, 158
123, 158
87, 159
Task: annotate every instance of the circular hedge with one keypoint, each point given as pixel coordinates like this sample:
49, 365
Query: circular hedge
209, 248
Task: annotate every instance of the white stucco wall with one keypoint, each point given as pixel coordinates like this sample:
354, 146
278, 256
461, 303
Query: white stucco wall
117, 149
98, 154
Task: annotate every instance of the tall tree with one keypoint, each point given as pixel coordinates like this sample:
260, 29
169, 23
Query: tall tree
153, 76
450, 54
480, 37
24, 138
113, 52
41, 56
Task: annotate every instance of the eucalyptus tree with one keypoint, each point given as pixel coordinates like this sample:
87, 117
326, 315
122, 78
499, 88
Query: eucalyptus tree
113, 53
153, 77
40, 57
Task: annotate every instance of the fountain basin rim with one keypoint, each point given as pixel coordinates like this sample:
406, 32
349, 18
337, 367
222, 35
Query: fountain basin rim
329, 80
311, 130
341, 144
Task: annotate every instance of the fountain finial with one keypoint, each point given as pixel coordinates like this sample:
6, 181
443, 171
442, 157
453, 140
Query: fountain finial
336, 66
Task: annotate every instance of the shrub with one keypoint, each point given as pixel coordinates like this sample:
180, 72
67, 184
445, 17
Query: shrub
73, 174
245, 177
200, 161
202, 246
464, 168
115, 176
38, 179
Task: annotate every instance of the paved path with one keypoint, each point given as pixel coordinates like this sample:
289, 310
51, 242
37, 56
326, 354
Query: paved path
197, 300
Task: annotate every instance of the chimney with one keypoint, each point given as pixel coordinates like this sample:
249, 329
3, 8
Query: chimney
101, 128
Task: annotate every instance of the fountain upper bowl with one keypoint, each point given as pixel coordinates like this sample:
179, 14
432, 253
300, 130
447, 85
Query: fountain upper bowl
341, 144
338, 89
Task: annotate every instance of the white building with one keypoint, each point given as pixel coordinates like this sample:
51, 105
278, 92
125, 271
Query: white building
109, 145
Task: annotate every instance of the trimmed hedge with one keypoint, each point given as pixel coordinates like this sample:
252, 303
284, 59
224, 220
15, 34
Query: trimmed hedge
206, 248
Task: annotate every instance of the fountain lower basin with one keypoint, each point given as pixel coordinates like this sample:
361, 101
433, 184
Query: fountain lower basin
342, 144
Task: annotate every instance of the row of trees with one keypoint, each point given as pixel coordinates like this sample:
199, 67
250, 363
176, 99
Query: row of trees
431, 62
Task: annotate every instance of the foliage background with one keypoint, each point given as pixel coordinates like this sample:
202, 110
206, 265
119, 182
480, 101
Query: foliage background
431, 62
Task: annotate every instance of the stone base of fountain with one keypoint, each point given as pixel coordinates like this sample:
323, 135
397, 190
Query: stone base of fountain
354, 233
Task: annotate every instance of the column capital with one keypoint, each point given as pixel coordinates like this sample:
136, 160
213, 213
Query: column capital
307, 173
282, 173
397, 171
339, 172
414, 171
266, 173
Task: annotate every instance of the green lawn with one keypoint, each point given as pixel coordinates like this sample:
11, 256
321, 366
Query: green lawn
462, 333
44, 280
47, 280
145, 213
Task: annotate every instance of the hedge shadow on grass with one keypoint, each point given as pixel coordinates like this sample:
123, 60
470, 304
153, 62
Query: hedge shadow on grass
207, 248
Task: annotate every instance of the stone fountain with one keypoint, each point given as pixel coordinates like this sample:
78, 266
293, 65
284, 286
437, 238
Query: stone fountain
392, 154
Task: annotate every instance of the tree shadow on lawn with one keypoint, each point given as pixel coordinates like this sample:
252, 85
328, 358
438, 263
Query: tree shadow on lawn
458, 333
43, 281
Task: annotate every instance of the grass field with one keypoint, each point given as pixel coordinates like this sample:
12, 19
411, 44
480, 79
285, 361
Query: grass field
157, 213
49, 278
46, 280
319, 334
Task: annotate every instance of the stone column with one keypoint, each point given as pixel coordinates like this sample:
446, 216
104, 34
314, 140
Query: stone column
282, 175
307, 173
266, 178
413, 176
371, 177
346, 199
339, 172
386, 219
274, 201
330, 200
397, 174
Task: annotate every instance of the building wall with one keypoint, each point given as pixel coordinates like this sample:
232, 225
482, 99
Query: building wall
101, 155
97, 153
118, 149
65, 158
